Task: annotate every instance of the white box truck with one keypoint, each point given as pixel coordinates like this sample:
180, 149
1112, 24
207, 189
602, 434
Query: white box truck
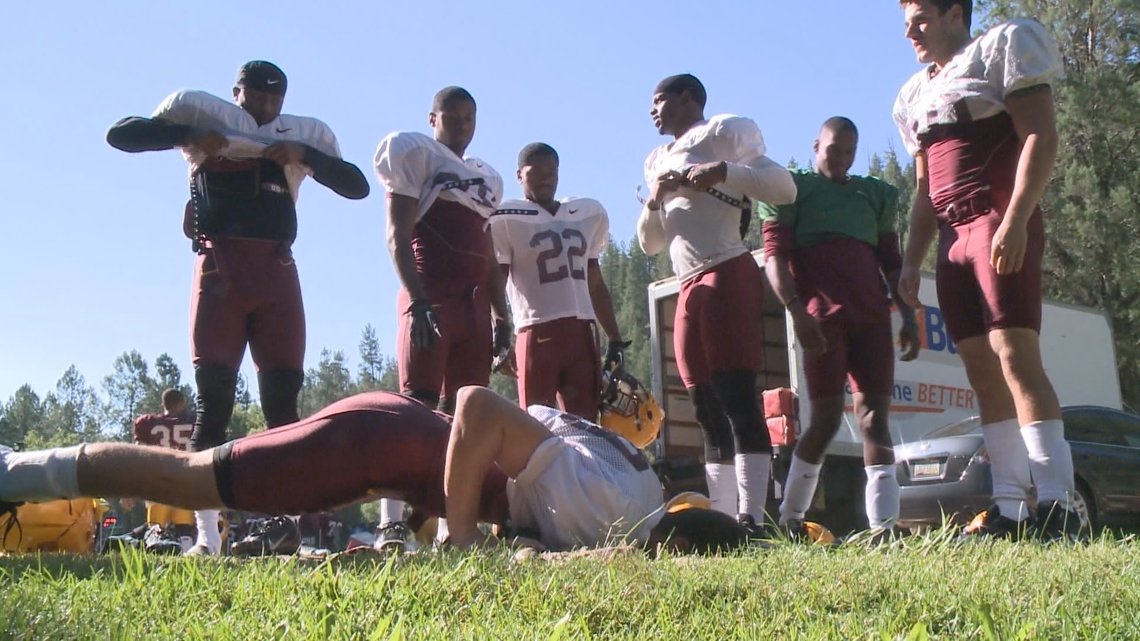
929, 391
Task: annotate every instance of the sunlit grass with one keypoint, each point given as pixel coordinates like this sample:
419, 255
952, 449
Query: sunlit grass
917, 588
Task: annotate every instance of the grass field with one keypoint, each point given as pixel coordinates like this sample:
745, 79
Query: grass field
918, 588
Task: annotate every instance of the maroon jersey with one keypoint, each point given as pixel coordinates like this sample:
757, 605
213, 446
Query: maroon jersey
164, 430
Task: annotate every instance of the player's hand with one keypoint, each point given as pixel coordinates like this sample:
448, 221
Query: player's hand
207, 141
503, 361
1007, 251
425, 326
908, 340
809, 332
665, 184
909, 279
707, 175
615, 355
285, 152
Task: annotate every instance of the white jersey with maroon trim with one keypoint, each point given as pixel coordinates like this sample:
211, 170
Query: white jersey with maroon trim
585, 487
975, 83
246, 138
548, 256
703, 229
415, 165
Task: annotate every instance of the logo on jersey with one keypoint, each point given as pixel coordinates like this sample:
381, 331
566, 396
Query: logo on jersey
573, 211
281, 131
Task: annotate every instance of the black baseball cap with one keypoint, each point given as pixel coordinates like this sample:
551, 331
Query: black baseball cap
262, 75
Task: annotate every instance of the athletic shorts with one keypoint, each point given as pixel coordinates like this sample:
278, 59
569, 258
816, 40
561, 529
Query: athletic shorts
973, 297
717, 326
558, 362
862, 353
573, 500
247, 290
364, 447
461, 356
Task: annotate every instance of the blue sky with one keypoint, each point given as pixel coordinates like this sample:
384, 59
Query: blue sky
92, 258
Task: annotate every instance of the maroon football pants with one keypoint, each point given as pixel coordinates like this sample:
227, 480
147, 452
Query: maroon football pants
377, 444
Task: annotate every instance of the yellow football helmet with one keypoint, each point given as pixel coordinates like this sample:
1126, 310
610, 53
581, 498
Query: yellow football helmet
53, 526
629, 409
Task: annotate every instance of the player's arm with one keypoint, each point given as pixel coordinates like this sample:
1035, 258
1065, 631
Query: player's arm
923, 227
1035, 121
487, 429
136, 133
402, 212
601, 300
779, 241
496, 286
337, 174
650, 226
500, 312
650, 231
890, 262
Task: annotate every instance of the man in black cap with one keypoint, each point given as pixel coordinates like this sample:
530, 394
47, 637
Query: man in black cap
698, 184
247, 161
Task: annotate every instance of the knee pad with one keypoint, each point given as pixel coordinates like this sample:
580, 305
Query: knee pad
736, 391
216, 387
279, 389
718, 439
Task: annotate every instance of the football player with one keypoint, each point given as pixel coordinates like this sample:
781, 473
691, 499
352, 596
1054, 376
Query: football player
247, 162
980, 122
699, 183
171, 428
549, 250
439, 202
564, 479
826, 256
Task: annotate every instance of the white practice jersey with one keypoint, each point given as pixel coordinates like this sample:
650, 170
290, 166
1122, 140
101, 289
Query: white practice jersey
701, 228
412, 164
246, 138
586, 487
974, 84
548, 256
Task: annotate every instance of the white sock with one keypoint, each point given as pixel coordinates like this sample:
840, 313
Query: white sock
1009, 467
753, 473
1051, 461
441, 531
799, 489
40, 475
882, 495
721, 479
391, 511
208, 534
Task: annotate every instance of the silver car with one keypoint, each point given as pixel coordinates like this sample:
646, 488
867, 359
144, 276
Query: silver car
947, 472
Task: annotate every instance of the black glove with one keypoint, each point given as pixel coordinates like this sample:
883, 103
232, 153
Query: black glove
425, 326
615, 355
500, 345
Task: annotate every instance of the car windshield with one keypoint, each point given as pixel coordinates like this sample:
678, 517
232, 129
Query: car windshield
964, 426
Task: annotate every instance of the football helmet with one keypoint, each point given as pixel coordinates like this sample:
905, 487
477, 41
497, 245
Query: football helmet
629, 409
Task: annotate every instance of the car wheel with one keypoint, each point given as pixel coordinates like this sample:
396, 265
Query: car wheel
1084, 507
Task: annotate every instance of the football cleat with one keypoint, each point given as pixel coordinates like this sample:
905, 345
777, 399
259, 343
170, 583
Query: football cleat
1055, 524
990, 524
395, 537
277, 535
629, 409
158, 540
